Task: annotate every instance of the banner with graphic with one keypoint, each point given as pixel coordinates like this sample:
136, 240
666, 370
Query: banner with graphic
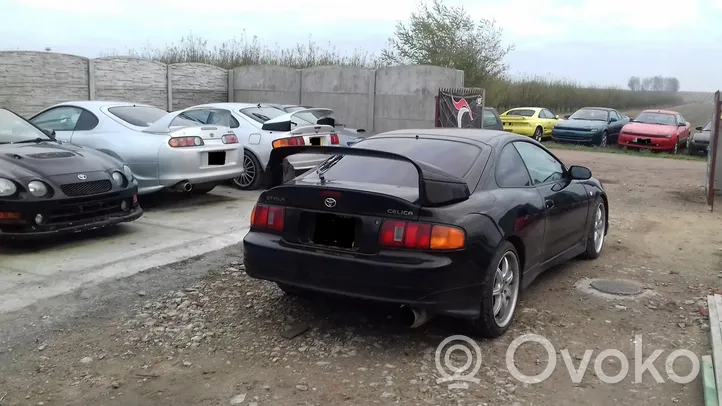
461, 107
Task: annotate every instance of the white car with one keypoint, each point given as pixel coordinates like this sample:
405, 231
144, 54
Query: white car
163, 150
262, 127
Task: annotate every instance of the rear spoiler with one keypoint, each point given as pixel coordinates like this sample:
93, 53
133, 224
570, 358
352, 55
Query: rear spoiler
283, 122
163, 125
436, 187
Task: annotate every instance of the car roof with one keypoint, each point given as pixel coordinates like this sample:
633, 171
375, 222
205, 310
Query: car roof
659, 111
231, 105
101, 103
598, 108
527, 108
474, 135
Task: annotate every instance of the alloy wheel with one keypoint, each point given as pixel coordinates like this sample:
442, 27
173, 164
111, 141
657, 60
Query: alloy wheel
599, 225
249, 175
538, 134
676, 147
506, 289
603, 140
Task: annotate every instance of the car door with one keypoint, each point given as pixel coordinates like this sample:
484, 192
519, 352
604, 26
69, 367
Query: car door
565, 202
615, 126
61, 119
684, 129
548, 119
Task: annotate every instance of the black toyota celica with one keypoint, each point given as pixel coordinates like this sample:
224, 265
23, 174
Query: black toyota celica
441, 221
47, 188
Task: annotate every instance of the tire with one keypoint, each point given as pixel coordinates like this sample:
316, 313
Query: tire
603, 140
291, 290
675, 150
489, 324
201, 190
598, 224
253, 176
538, 134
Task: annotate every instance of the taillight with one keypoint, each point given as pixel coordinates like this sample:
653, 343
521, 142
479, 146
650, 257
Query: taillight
177, 142
414, 235
288, 142
334, 139
267, 217
229, 139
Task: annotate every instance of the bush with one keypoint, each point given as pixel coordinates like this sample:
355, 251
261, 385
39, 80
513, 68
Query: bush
560, 96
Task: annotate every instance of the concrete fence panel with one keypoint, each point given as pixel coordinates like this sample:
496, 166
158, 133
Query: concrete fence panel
31, 81
347, 90
266, 84
197, 83
131, 79
404, 96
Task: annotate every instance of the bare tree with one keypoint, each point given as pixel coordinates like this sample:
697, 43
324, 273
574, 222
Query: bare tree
634, 84
443, 35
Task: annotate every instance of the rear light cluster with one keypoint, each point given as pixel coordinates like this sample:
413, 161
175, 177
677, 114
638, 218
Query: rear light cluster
267, 217
177, 142
334, 139
288, 142
229, 139
414, 235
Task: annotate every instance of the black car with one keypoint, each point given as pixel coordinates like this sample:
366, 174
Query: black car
442, 221
698, 144
590, 125
48, 188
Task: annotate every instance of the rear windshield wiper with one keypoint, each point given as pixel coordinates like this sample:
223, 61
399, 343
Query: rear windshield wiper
35, 140
324, 167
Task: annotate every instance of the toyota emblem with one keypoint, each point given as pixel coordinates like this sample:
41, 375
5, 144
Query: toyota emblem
82, 177
330, 202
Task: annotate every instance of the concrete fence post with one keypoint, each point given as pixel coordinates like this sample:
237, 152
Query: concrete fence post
231, 89
372, 101
91, 79
300, 86
169, 88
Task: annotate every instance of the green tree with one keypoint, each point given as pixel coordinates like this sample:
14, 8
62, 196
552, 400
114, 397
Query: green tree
448, 36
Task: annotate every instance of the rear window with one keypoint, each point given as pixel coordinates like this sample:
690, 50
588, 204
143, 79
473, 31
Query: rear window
262, 114
521, 112
455, 158
141, 116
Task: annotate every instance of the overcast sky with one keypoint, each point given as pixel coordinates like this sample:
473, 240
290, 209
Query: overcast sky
593, 42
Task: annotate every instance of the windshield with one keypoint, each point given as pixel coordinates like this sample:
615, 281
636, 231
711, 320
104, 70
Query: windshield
141, 116
14, 128
708, 126
656, 118
455, 158
262, 114
521, 112
590, 114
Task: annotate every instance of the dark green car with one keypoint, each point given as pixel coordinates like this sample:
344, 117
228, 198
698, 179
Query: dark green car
590, 125
699, 142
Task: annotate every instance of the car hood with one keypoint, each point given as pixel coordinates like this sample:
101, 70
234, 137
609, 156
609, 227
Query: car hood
18, 161
650, 129
580, 124
702, 136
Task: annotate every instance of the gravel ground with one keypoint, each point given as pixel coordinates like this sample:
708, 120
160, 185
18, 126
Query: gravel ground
202, 332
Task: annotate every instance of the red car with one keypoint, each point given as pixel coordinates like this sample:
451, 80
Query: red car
656, 129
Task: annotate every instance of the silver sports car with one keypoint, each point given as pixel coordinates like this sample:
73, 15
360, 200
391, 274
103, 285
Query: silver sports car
261, 128
164, 150
347, 136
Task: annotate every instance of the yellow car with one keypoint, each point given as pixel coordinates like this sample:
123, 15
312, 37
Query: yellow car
535, 122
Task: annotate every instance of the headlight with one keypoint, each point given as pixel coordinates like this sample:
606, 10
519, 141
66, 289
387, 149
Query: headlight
7, 188
37, 188
128, 173
118, 178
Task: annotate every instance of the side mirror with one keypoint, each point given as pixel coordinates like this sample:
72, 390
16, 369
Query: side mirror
566, 117
579, 172
49, 133
613, 120
681, 124
698, 128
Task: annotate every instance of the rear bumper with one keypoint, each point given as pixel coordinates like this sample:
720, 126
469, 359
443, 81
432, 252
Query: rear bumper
527, 131
442, 284
655, 143
66, 216
194, 164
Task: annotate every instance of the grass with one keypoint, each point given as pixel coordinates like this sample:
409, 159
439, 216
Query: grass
559, 95
682, 155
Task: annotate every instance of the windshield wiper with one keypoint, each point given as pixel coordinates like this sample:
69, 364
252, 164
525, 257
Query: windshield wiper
35, 140
324, 167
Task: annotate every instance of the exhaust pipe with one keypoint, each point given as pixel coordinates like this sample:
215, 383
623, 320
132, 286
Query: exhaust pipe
421, 316
184, 186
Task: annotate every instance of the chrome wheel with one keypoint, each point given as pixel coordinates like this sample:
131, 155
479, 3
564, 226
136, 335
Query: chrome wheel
676, 146
506, 289
603, 140
249, 176
599, 225
538, 134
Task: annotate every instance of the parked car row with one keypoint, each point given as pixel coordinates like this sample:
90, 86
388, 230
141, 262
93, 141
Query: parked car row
663, 130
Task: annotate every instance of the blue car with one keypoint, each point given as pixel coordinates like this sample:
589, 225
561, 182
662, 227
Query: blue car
590, 125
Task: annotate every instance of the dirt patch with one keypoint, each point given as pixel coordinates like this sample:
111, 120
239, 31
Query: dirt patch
221, 337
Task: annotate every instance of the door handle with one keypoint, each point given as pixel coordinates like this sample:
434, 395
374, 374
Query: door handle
549, 203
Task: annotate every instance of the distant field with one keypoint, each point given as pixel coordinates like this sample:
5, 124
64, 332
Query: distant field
696, 97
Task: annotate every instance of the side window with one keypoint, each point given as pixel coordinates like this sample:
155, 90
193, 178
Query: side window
489, 119
86, 122
681, 120
615, 115
63, 118
510, 171
547, 114
542, 166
